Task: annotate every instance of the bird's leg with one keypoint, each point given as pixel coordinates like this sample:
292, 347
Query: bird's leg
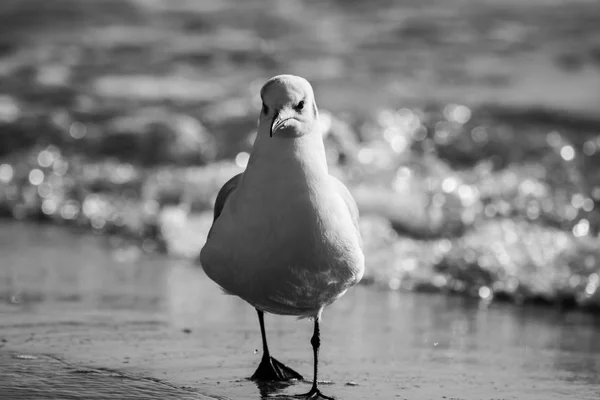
269, 368
314, 392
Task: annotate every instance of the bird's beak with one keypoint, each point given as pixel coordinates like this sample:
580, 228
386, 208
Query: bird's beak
279, 120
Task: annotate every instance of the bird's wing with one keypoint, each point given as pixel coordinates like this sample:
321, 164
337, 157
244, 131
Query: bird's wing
223, 195
350, 203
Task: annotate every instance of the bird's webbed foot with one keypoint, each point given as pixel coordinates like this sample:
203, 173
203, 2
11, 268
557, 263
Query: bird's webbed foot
272, 370
314, 394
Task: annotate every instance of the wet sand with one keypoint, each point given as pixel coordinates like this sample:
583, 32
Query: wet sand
82, 318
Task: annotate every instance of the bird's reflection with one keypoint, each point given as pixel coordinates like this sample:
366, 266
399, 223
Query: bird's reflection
273, 389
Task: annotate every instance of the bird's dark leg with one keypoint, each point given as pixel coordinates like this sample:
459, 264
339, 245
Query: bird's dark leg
269, 368
263, 333
314, 392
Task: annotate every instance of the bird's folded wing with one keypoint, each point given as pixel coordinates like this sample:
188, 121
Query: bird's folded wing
350, 203
223, 195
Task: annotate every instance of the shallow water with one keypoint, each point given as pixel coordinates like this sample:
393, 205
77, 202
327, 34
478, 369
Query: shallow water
87, 317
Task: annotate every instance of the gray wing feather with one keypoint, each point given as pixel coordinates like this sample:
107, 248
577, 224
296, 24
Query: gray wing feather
223, 195
351, 204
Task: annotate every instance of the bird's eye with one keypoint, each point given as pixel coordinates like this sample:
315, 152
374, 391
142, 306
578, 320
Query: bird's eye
300, 105
265, 109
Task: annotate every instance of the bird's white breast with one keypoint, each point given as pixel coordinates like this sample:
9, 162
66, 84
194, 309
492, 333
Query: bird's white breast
287, 248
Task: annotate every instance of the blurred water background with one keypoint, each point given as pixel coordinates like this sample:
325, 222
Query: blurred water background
467, 130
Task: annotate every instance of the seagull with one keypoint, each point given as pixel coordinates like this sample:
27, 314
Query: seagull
285, 235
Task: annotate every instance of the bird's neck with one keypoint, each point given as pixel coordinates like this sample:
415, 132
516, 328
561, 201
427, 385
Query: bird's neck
286, 161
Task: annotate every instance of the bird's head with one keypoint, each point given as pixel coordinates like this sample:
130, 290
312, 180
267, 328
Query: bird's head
288, 107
